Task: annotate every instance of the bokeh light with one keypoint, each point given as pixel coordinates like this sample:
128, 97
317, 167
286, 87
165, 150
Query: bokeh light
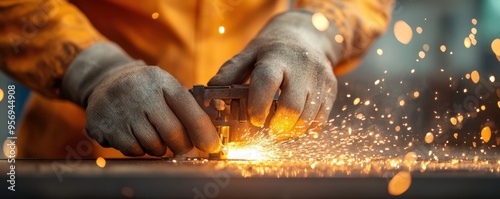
475, 76
101, 162
495, 46
403, 32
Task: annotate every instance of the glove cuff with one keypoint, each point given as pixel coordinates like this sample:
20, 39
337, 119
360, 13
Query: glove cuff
90, 68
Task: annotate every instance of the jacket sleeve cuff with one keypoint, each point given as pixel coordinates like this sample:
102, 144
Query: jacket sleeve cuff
90, 67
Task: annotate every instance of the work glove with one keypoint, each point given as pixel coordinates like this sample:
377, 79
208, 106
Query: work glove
135, 108
293, 55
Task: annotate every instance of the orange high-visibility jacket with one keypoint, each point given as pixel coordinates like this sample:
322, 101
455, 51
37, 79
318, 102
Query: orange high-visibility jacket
40, 38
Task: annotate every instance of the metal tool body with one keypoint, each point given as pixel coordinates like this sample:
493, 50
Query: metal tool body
227, 108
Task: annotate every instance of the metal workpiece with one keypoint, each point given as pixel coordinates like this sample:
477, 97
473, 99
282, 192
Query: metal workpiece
227, 108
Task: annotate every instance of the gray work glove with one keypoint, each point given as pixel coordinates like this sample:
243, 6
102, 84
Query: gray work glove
292, 55
135, 108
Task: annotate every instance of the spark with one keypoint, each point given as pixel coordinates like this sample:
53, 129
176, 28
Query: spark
222, 30
339, 38
356, 101
418, 30
453, 121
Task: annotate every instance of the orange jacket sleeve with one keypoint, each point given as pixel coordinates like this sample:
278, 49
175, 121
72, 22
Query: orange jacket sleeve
358, 21
39, 40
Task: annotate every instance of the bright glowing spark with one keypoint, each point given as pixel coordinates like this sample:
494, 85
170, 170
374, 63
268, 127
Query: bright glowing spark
453, 121
473, 30
380, 51
320, 22
339, 38
426, 47
356, 101
467, 42
416, 94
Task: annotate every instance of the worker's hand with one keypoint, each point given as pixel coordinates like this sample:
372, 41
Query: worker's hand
140, 109
292, 55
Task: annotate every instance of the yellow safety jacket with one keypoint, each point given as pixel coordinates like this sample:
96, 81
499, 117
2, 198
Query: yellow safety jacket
190, 39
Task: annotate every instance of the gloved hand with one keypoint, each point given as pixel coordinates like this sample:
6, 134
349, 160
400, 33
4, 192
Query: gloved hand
292, 55
135, 108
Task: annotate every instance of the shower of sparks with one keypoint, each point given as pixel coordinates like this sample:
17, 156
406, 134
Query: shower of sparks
373, 134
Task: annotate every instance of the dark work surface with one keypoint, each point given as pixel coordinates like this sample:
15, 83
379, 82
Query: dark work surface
163, 179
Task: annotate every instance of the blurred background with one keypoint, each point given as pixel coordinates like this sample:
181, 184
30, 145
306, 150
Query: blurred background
421, 95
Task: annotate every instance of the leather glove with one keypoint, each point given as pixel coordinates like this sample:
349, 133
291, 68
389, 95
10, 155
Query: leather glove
292, 55
135, 108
